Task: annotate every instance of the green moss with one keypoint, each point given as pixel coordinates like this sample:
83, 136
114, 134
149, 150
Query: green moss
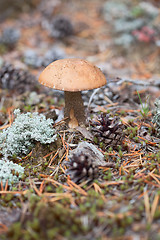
101, 145
120, 153
15, 231
95, 140
51, 233
8, 197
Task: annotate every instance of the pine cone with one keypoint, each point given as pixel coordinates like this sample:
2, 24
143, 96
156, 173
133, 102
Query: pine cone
82, 167
10, 36
61, 27
32, 59
108, 130
55, 53
16, 79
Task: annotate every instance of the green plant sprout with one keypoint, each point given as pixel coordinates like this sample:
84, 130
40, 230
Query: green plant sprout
145, 108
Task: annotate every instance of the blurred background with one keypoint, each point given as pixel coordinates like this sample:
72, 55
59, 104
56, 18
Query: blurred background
120, 37
123, 37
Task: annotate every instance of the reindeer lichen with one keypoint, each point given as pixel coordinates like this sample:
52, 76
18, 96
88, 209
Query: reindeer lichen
26, 129
10, 171
156, 118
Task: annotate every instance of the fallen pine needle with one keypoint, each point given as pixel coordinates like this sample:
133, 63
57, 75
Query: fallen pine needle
154, 206
47, 155
148, 142
14, 192
112, 183
3, 228
154, 177
76, 187
5, 126
52, 158
147, 206
98, 190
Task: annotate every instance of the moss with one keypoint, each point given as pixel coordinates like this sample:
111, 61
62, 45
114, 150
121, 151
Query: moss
120, 154
8, 197
15, 231
46, 221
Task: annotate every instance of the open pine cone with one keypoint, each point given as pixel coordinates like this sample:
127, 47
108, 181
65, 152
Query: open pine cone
108, 130
16, 79
61, 27
82, 168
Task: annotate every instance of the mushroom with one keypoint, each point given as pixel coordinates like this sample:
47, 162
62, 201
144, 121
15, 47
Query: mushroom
72, 76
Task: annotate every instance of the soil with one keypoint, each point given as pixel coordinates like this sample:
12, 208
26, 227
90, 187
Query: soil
122, 200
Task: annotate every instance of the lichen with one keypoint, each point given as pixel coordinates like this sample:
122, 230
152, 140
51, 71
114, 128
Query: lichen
27, 128
156, 117
10, 171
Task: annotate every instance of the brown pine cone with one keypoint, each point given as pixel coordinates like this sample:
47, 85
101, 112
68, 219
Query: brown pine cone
108, 130
16, 79
82, 168
61, 27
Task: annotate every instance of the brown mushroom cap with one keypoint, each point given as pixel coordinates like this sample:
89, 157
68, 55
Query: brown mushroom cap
72, 75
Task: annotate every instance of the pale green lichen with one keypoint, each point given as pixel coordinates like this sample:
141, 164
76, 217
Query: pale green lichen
10, 171
156, 117
27, 128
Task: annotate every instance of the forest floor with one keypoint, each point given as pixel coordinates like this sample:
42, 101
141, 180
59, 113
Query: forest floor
123, 200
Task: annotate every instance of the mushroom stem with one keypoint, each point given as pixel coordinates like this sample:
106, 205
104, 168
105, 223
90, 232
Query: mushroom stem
73, 123
74, 103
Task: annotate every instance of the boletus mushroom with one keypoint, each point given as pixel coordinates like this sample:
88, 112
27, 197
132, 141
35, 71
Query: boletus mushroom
72, 76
